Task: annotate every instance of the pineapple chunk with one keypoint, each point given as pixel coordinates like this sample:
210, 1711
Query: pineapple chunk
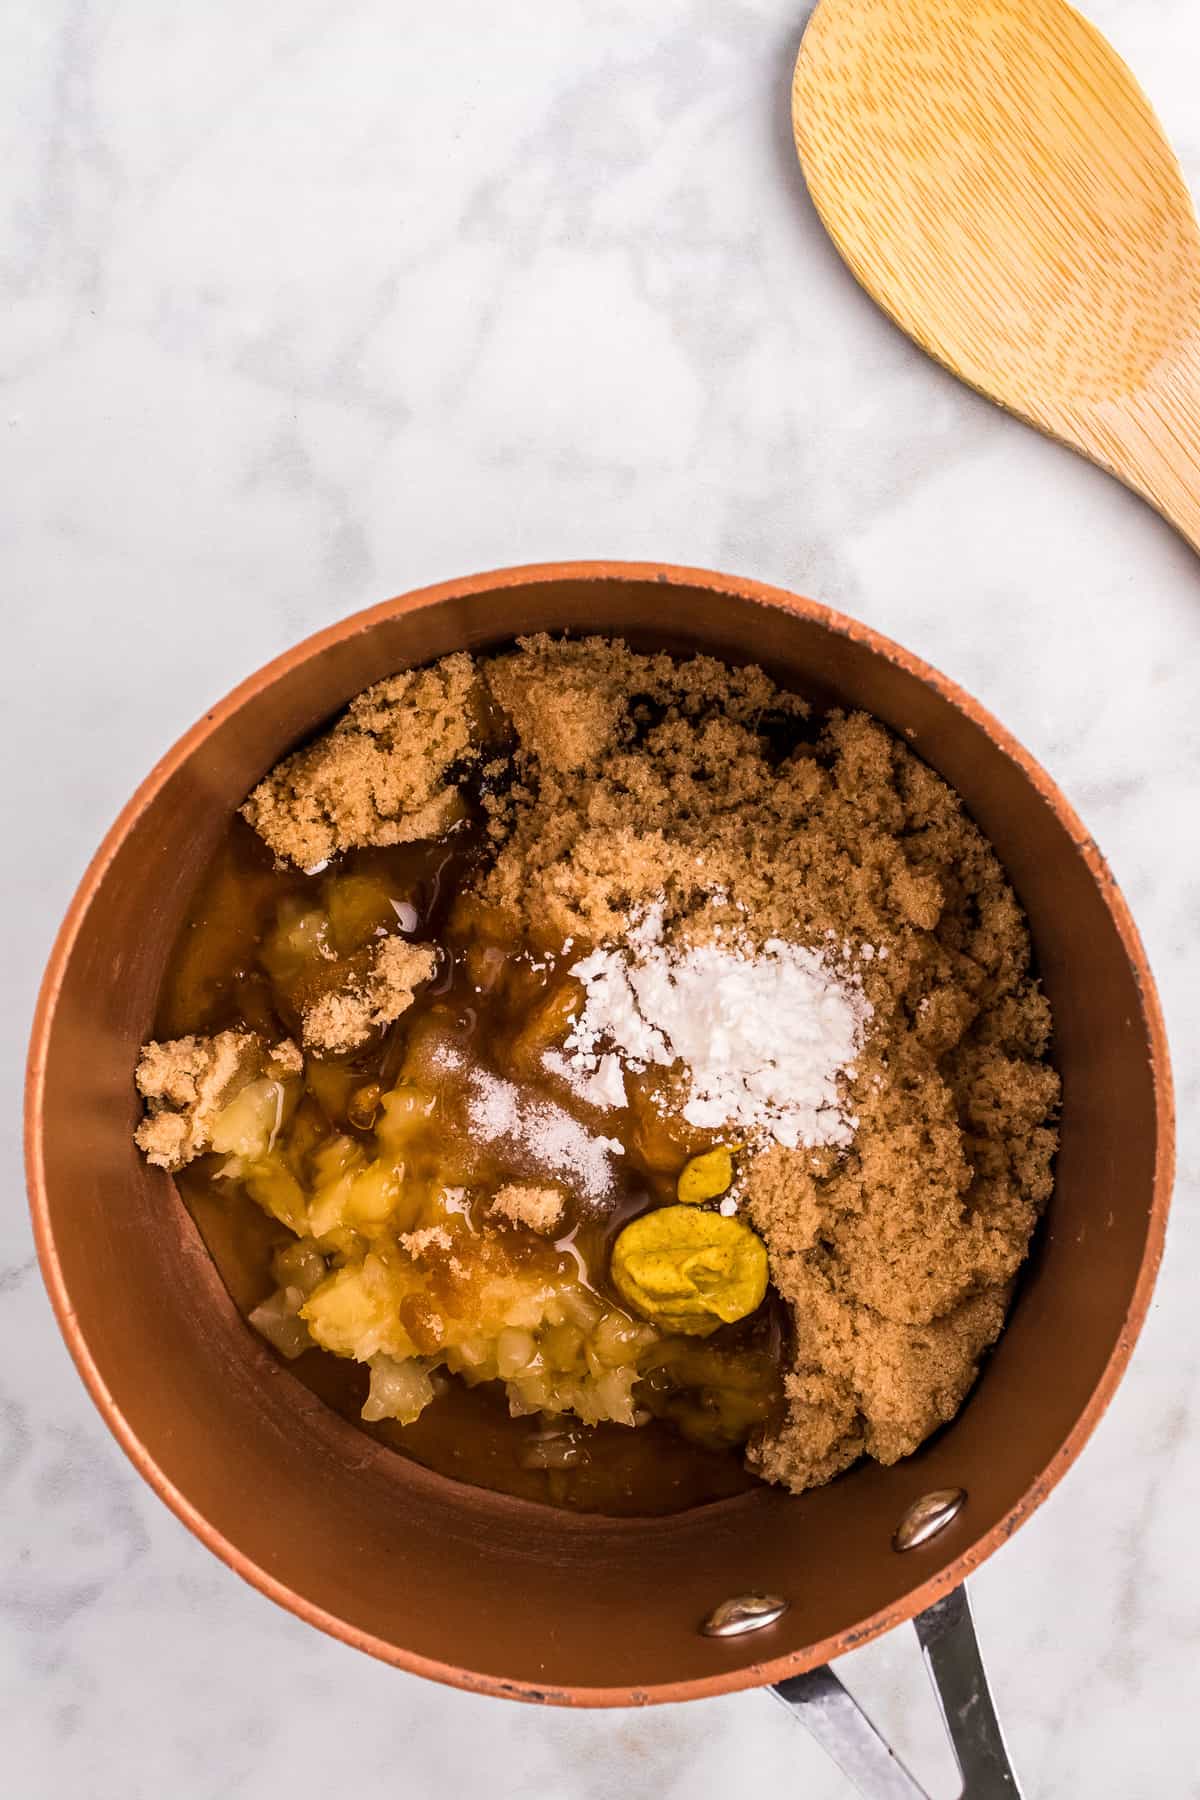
399, 1390
249, 1125
270, 1182
359, 908
354, 1195
299, 1265
356, 1311
278, 1320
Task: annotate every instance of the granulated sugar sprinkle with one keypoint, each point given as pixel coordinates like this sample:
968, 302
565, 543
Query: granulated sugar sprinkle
543, 1135
763, 1035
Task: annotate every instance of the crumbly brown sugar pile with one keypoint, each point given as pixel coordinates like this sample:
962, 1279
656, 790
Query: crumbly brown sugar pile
615, 782
897, 1256
368, 997
383, 775
187, 1083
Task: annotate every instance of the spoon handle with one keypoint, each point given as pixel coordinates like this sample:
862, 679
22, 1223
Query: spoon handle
1150, 439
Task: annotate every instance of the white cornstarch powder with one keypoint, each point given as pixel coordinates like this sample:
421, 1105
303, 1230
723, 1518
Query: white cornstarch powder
603, 1086
763, 1034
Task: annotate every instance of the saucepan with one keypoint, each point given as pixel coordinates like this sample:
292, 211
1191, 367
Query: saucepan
500, 1595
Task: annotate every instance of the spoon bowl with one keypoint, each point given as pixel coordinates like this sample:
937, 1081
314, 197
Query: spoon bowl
997, 181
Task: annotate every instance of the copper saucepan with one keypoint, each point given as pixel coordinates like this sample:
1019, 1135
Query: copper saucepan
496, 1594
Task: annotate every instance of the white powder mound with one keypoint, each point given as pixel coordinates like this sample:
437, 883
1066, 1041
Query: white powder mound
540, 1136
602, 1087
763, 1035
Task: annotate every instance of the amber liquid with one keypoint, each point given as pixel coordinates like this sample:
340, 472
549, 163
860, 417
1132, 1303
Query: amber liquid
215, 981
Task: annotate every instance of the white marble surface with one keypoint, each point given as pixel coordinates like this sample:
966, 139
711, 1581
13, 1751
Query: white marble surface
304, 305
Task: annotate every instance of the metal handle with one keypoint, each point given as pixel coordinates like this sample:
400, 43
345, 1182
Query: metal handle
946, 1633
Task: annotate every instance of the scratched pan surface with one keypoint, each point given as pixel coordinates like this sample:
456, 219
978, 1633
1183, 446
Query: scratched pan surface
475, 1588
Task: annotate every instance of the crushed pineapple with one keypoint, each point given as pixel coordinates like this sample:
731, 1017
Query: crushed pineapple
298, 1268
466, 1301
395, 1268
419, 1249
248, 1126
399, 1390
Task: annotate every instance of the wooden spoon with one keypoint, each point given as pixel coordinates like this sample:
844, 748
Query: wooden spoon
996, 180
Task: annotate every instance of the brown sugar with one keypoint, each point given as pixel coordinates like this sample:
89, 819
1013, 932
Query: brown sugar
385, 774
432, 1237
187, 1081
706, 784
375, 996
540, 1209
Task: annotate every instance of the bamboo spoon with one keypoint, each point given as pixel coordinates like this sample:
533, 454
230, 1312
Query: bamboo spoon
996, 180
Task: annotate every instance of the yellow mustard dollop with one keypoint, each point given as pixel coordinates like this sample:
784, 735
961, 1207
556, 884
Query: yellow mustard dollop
692, 1271
706, 1176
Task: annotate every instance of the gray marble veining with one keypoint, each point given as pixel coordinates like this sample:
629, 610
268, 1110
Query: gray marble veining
306, 305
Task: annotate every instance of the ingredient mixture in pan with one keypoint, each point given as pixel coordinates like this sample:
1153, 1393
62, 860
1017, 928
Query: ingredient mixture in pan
610, 1079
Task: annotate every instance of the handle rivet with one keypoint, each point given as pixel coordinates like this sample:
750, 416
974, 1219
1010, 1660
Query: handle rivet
743, 1613
927, 1516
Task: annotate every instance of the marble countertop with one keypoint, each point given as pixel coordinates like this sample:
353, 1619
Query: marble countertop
305, 305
